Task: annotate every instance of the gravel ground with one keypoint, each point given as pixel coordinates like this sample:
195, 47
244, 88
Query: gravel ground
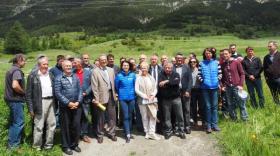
198, 143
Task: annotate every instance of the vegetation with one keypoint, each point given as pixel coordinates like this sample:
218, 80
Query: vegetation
244, 18
17, 40
258, 136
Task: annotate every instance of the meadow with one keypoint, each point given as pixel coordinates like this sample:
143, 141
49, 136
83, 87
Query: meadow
259, 136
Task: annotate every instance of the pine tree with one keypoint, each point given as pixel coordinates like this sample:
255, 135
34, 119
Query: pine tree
17, 40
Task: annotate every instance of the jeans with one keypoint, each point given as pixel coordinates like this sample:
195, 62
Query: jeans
252, 86
274, 86
16, 123
210, 97
233, 101
84, 119
127, 109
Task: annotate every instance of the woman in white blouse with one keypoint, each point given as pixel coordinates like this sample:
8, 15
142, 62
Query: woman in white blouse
146, 89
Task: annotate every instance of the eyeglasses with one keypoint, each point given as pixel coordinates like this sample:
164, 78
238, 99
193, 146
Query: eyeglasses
193, 61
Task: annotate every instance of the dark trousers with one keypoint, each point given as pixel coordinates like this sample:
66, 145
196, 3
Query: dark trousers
84, 119
167, 106
252, 86
100, 118
138, 119
70, 120
186, 111
274, 86
159, 124
197, 105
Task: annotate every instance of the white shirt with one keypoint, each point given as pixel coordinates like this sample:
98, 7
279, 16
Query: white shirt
46, 84
155, 71
179, 71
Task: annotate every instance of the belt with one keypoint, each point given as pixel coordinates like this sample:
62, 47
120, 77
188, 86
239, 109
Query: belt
47, 97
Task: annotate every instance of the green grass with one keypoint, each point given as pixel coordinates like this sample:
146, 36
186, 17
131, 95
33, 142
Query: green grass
259, 136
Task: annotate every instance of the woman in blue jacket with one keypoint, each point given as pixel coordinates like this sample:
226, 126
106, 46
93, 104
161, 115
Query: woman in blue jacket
209, 74
125, 84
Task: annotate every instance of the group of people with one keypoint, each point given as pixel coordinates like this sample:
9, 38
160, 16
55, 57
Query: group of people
167, 97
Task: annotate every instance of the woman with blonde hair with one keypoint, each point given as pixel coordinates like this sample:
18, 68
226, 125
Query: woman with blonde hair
146, 89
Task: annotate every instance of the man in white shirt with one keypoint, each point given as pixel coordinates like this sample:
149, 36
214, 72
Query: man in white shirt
40, 101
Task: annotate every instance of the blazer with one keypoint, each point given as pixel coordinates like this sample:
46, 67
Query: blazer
99, 85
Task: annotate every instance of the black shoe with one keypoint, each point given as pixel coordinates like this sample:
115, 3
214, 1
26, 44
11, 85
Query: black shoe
100, 140
77, 149
113, 138
167, 136
188, 130
182, 135
127, 139
67, 151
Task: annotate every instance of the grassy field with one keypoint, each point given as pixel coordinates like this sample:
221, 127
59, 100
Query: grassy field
259, 136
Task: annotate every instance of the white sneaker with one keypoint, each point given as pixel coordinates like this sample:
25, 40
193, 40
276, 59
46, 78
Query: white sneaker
153, 136
147, 136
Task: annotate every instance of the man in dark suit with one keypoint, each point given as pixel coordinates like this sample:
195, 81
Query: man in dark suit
271, 69
185, 86
155, 69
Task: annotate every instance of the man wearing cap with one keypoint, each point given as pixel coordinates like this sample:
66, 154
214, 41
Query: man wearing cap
253, 68
271, 66
232, 82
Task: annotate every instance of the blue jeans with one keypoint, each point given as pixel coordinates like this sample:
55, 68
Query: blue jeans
127, 110
235, 101
252, 86
16, 123
210, 97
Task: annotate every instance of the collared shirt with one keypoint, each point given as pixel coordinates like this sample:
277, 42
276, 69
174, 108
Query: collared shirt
46, 84
155, 73
106, 75
179, 71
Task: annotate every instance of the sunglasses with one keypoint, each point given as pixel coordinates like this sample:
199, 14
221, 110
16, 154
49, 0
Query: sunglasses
193, 61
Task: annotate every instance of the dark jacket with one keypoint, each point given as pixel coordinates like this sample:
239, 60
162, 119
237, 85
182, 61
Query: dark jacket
34, 92
252, 67
185, 70
86, 87
66, 92
272, 69
56, 70
187, 81
159, 69
171, 90
10, 95
233, 73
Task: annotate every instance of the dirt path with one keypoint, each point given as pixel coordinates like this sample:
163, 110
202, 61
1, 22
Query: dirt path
196, 144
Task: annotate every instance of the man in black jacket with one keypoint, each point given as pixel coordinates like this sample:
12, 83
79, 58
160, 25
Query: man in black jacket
40, 101
271, 64
253, 68
169, 92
